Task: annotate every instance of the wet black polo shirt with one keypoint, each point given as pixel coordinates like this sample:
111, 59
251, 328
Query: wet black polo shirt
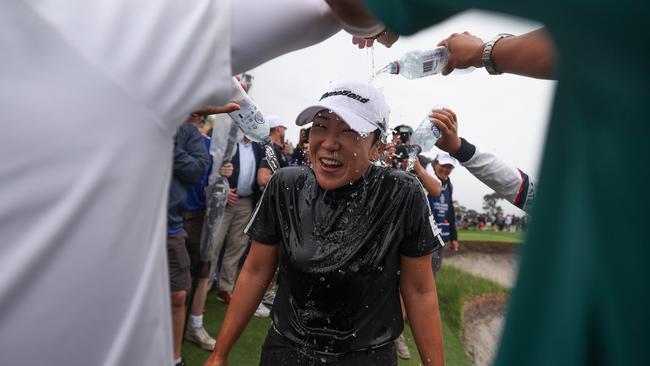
339, 254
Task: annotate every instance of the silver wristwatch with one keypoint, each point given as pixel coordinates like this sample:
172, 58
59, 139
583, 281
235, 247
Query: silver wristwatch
486, 58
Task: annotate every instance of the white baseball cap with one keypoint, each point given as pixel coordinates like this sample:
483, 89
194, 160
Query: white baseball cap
362, 106
275, 121
444, 158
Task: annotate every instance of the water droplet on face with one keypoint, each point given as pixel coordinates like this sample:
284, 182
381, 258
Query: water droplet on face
322, 279
355, 154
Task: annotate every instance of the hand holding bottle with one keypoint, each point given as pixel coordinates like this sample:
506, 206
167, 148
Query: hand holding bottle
446, 121
464, 50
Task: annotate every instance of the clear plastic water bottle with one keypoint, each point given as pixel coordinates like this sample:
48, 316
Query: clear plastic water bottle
426, 134
248, 117
420, 63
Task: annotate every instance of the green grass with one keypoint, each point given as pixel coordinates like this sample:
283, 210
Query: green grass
454, 288
496, 236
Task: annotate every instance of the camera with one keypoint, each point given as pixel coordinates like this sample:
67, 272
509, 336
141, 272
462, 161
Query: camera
403, 151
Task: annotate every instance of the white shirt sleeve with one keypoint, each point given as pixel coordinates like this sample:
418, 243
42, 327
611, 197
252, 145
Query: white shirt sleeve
263, 30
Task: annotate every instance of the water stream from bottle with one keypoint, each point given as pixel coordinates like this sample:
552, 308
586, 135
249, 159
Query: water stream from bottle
370, 54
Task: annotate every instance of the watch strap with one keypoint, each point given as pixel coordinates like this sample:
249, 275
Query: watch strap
486, 58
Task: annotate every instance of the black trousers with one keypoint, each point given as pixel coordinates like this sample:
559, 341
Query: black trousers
280, 351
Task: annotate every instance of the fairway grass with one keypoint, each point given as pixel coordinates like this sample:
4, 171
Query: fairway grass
486, 236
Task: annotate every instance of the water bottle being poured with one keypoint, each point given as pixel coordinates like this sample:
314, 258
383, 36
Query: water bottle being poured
424, 138
420, 63
251, 120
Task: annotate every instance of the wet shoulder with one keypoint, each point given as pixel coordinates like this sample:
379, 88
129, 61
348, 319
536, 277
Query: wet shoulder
395, 178
292, 176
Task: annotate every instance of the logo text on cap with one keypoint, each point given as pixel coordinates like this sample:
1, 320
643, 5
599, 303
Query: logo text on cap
347, 93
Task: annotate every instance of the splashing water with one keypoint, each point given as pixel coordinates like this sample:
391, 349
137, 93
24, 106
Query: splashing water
271, 158
411, 162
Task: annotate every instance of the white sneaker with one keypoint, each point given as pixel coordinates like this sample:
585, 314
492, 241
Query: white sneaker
269, 298
402, 348
262, 311
201, 337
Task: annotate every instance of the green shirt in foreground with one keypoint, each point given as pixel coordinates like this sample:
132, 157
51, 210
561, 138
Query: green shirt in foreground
583, 292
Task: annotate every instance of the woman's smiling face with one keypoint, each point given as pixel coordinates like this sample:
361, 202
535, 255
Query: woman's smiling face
339, 155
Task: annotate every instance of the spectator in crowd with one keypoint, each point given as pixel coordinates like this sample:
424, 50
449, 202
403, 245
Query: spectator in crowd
191, 161
242, 197
298, 155
342, 281
442, 205
193, 219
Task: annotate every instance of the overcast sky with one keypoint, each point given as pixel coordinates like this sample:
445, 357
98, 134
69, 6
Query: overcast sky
504, 114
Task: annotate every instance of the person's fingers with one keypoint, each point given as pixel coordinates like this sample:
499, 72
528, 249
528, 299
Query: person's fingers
449, 117
446, 120
444, 129
448, 69
453, 114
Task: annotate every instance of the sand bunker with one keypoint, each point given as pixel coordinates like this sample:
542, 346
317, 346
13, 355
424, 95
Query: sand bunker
483, 315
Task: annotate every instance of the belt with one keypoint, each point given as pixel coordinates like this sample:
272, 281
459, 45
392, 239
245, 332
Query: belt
193, 214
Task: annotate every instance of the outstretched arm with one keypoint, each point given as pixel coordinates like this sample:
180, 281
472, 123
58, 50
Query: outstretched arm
532, 54
509, 182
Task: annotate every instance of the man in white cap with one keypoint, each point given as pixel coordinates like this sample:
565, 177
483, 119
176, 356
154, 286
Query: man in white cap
442, 205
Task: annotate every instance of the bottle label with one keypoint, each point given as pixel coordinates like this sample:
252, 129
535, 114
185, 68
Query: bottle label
427, 66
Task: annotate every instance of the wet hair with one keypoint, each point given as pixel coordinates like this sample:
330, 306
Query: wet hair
376, 136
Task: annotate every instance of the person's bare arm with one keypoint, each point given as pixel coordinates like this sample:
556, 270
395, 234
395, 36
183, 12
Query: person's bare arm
263, 176
418, 289
532, 54
429, 183
253, 280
